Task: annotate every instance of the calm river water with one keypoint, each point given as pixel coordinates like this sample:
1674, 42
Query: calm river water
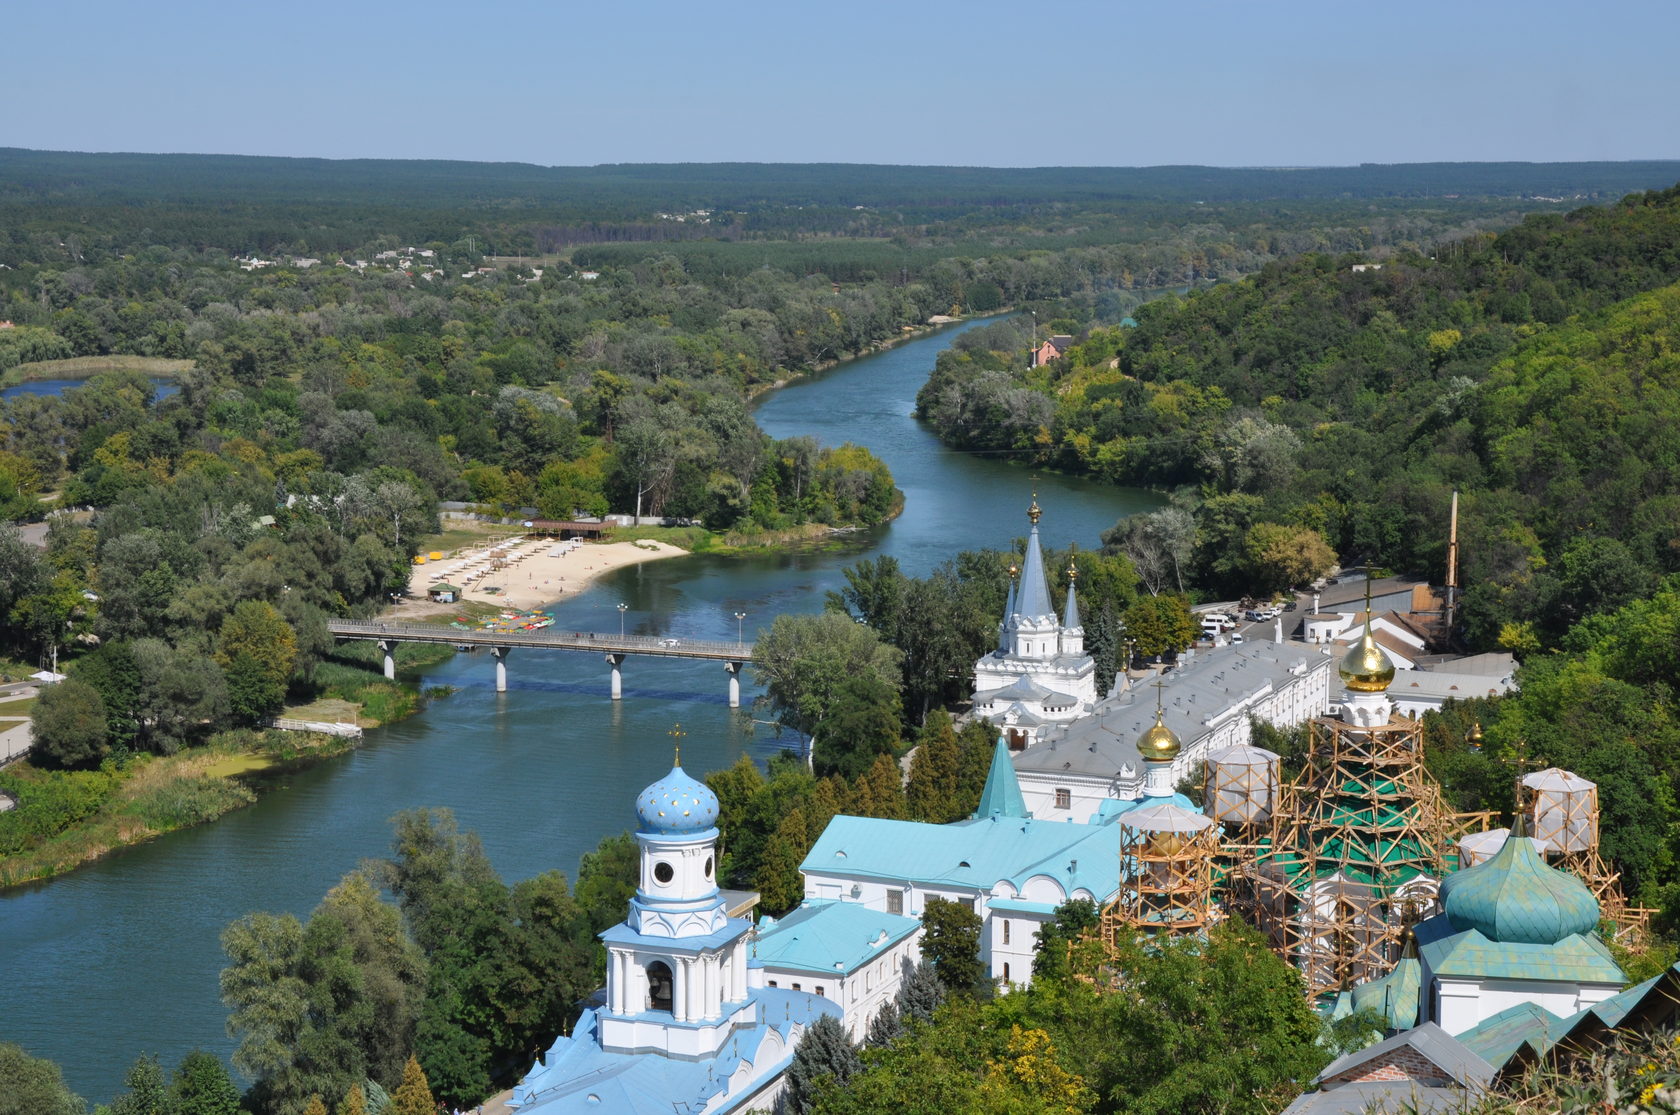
122, 957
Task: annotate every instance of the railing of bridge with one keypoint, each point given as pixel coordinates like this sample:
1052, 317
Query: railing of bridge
552, 638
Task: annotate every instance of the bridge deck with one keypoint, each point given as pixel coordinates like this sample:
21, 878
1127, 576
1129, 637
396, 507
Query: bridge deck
551, 638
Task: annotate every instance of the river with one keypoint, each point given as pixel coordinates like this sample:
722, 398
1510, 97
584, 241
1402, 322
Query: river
122, 957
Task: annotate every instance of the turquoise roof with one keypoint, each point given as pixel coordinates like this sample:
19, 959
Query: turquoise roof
1395, 996
832, 937
1495, 1038
1517, 898
1002, 795
1469, 954
971, 855
577, 1075
677, 805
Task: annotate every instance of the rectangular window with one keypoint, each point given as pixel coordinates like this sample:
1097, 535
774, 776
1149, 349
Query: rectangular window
969, 902
1006, 971
821, 994
895, 902
772, 983
1006, 931
1064, 799
796, 987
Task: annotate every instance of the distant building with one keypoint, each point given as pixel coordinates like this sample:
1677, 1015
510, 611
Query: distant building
1039, 674
1077, 770
1052, 349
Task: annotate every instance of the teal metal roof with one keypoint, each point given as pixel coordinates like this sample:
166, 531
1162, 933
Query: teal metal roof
971, 855
1496, 1038
1395, 996
1517, 898
1469, 954
1002, 795
835, 938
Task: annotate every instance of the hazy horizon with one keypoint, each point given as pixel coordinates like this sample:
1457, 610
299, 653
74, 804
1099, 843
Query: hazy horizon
1216, 83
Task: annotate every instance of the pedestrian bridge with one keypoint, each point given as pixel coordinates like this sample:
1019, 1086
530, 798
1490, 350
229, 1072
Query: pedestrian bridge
614, 648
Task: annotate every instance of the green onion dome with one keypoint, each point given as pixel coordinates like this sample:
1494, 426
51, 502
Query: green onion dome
1517, 898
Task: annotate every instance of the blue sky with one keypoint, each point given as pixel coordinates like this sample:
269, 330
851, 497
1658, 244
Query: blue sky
913, 82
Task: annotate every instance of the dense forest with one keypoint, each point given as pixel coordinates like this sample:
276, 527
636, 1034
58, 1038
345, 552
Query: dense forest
1331, 398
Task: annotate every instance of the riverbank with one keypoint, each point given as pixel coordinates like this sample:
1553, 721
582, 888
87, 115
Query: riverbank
65, 819
549, 572
907, 334
83, 367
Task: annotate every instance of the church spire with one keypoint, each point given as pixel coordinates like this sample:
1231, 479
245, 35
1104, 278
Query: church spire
1002, 795
1071, 619
1033, 600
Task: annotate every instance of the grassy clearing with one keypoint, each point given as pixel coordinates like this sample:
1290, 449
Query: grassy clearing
78, 367
67, 818
695, 540
17, 706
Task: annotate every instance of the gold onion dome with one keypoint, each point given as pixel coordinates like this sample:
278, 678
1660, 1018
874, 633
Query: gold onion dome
1367, 668
1159, 744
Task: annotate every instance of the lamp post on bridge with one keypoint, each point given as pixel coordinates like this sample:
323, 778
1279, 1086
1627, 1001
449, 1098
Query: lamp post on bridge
622, 608
740, 638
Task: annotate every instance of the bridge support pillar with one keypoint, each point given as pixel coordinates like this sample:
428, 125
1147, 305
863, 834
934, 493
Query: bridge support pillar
500, 655
615, 661
389, 649
734, 671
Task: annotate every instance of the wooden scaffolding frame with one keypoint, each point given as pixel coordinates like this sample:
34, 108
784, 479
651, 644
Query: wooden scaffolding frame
1166, 883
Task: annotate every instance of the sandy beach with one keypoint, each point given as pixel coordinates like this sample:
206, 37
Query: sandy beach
537, 571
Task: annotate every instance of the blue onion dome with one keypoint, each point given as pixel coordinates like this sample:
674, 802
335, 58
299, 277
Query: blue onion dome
677, 804
1517, 898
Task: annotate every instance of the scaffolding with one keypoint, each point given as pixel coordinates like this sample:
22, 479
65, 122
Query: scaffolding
1355, 849
1561, 808
1167, 856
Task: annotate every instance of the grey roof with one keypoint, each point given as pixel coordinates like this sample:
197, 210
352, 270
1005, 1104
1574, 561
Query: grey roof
1024, 688
1380, 1097
1203, 685
1352, 591
1034, 598
1438, 683
1071, 619
1492, 664
1457, 1061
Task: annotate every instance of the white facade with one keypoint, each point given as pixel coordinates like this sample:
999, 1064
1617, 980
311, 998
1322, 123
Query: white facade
1462, 1004
1210, 701
860, 993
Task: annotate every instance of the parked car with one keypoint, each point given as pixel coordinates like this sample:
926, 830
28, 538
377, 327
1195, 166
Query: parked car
1236, 636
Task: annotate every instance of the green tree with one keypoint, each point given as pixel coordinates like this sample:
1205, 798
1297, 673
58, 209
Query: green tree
1071, 922
33, 1086
779, 882
1160, 625
354, 1103
951, 943
202, 1086
921, 993
69, 725
413, 1096
935, 771
147, 1093
257, 649
824, 1058
805, 663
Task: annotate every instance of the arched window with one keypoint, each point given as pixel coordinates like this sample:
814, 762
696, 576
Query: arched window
659, 986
